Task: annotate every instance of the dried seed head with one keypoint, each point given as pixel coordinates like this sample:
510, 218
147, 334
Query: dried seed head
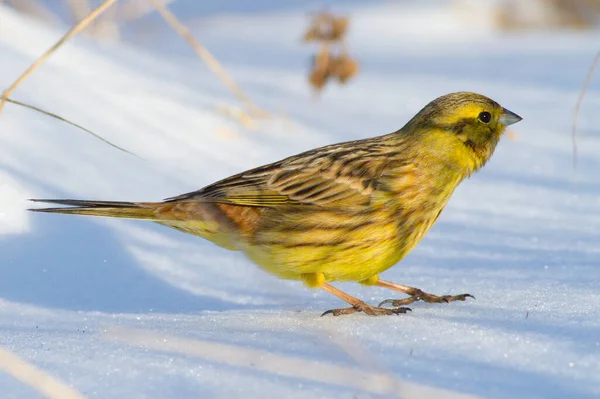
339, 26
318, 79
321, 67
311, 34
322, 60
343, 68
326, 28
329, 31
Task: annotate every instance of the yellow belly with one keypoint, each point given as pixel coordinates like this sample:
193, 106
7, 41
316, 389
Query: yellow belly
336, 262
342, 245
339, 254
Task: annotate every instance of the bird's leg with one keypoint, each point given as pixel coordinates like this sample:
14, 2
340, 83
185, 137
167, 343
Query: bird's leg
357, 305
416, 294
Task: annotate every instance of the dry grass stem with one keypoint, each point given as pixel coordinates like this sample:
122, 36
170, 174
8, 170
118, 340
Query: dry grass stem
69, 122
586, 84
74, 30
47, 385
208, 58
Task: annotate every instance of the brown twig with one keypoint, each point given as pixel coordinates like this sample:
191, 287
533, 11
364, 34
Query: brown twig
588, 79
208, 58
72, 32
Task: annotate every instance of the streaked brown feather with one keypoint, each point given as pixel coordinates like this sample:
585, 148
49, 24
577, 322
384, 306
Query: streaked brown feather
339, 175
246, 219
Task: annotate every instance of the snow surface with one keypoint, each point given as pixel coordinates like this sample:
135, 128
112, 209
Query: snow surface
78, 294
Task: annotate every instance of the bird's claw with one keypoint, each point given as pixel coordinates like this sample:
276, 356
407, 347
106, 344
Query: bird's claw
387, 301
461, 297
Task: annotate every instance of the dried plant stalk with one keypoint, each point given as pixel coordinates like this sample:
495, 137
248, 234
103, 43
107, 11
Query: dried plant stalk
60, 118
588, 79
74, 30
208, 58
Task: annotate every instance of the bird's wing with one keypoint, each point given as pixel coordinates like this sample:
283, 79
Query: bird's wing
339, 175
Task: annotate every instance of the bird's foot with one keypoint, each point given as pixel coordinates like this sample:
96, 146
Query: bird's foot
419, 295
367, 309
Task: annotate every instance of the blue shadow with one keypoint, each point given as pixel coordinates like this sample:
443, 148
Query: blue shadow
77, 264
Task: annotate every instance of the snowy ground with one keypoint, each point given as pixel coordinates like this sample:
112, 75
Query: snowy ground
79, 296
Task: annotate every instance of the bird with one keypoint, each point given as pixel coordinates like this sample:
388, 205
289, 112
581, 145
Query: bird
344, 212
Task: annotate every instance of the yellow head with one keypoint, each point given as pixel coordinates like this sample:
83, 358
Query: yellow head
474, 120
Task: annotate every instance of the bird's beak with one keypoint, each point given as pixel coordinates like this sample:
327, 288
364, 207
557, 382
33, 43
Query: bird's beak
508, 117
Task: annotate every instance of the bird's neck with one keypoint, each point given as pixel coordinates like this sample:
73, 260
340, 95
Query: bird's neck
445, 152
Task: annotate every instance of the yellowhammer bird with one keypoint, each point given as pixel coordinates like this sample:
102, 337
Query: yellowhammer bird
344, 212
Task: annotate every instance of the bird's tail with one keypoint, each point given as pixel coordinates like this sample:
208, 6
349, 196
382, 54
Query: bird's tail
116, 209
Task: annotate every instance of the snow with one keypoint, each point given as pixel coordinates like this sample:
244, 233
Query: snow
126, 309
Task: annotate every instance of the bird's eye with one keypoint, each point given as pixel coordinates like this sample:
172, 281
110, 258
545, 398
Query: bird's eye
485, 117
